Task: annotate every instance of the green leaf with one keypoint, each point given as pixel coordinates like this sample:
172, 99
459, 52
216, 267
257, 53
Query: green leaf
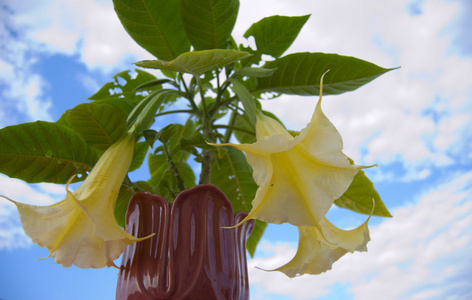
121, 205
142, 116
242, 121
273, 35
246, 98
360, 197
99, 125
182, 131
255, 72
233, 175
123, 105
44, 152
125, 85
255, 237
157, 164
155, 25
300, 74
163, 181
140, 151
197, 62
166, 133
209, 23
196, 140
150, 135
152, 84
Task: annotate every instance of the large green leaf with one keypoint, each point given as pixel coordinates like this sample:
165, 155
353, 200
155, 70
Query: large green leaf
233, 175
155, 25
124, 85
197, 62
300, 74
273, 35
360, 197
209, 23
44, 152
99, 125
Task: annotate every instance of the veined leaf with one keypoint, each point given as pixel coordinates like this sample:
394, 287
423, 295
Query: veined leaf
255, 72
233, 175
99, 125
300, 73
197, 62
44, 152
123, 105
124, 85
360, 197
155, 25
209, 23
273, 35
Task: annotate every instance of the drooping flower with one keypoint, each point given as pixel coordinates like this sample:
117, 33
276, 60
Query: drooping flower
318, 251
299, 178
81, 230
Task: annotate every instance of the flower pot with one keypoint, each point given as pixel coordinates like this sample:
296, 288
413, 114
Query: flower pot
191, 255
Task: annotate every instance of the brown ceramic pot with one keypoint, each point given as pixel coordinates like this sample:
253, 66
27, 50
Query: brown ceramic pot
190, 256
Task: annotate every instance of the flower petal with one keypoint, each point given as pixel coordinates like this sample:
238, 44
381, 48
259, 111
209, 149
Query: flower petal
316, 254
81, 230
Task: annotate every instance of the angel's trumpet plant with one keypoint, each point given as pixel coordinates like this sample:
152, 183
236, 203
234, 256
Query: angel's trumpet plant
81, 230
299, 178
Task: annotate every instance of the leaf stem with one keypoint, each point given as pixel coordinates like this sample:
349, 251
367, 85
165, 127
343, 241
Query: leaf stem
229, 127
188, 111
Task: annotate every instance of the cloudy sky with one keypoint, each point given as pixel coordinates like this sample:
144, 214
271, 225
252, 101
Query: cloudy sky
414, 122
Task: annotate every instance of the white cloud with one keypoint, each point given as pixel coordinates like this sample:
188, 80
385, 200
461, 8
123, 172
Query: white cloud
386, 116
422, 250
89, 28
21, 89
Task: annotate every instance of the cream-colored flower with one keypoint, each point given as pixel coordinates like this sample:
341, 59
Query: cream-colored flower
318, 251
299, 178
81, 230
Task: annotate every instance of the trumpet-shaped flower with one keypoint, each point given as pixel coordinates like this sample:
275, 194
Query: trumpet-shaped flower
318, 251
81, 230
299, 178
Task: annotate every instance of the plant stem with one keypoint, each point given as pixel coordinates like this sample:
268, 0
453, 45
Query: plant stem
207, 158
189, 95
174, 169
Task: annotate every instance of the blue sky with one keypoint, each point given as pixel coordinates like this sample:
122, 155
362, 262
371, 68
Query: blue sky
414, 122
